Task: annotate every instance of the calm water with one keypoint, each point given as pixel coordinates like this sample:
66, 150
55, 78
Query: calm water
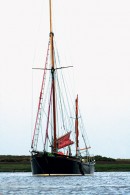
100, 184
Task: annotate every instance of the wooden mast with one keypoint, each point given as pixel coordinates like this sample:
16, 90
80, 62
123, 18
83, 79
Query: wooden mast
53, 78
76, 126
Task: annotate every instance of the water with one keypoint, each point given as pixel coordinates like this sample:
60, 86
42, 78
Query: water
100, 183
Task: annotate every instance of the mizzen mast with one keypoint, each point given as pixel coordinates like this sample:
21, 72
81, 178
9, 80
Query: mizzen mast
76, 126
53, 77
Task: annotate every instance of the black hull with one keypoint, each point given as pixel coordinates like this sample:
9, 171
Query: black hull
54, 164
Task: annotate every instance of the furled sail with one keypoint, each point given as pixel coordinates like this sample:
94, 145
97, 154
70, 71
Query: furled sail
64, 141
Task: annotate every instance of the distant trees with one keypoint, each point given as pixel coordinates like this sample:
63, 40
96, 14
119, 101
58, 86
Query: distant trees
11, 158
102, 158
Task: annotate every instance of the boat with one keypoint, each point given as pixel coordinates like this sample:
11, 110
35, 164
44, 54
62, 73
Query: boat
59, 151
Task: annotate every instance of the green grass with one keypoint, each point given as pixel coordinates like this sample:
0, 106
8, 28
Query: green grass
17, 167
112, 167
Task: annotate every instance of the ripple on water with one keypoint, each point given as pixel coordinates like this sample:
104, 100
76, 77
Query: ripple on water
99, 183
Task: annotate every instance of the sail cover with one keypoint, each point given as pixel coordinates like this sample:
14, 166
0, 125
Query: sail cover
64, 141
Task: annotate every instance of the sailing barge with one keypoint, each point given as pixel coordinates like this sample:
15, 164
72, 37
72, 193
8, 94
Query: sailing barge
60, 153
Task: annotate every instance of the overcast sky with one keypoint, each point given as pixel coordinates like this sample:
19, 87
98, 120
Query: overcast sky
94, 37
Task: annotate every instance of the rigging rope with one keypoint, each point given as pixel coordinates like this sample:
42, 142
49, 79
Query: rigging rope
38, 116
46, 136
60, 95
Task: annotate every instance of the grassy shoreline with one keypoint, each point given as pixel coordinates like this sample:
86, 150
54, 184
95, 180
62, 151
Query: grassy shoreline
22, 164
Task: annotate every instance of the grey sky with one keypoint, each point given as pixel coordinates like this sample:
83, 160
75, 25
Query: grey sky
94, 37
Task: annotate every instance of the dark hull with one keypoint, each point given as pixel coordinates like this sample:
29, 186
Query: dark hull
54, 164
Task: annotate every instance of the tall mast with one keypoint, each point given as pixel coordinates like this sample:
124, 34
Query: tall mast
53, 77
76, 126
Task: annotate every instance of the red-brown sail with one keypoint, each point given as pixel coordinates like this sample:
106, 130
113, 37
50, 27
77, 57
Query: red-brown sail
64, 141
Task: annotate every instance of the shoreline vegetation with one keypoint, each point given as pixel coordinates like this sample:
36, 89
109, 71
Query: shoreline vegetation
10, 163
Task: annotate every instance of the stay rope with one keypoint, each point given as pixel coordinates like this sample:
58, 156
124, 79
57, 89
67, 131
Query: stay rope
38, 115
46, 136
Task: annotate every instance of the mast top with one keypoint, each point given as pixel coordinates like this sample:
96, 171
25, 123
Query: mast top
50, 5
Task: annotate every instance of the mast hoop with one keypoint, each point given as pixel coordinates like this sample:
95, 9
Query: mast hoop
51, 33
